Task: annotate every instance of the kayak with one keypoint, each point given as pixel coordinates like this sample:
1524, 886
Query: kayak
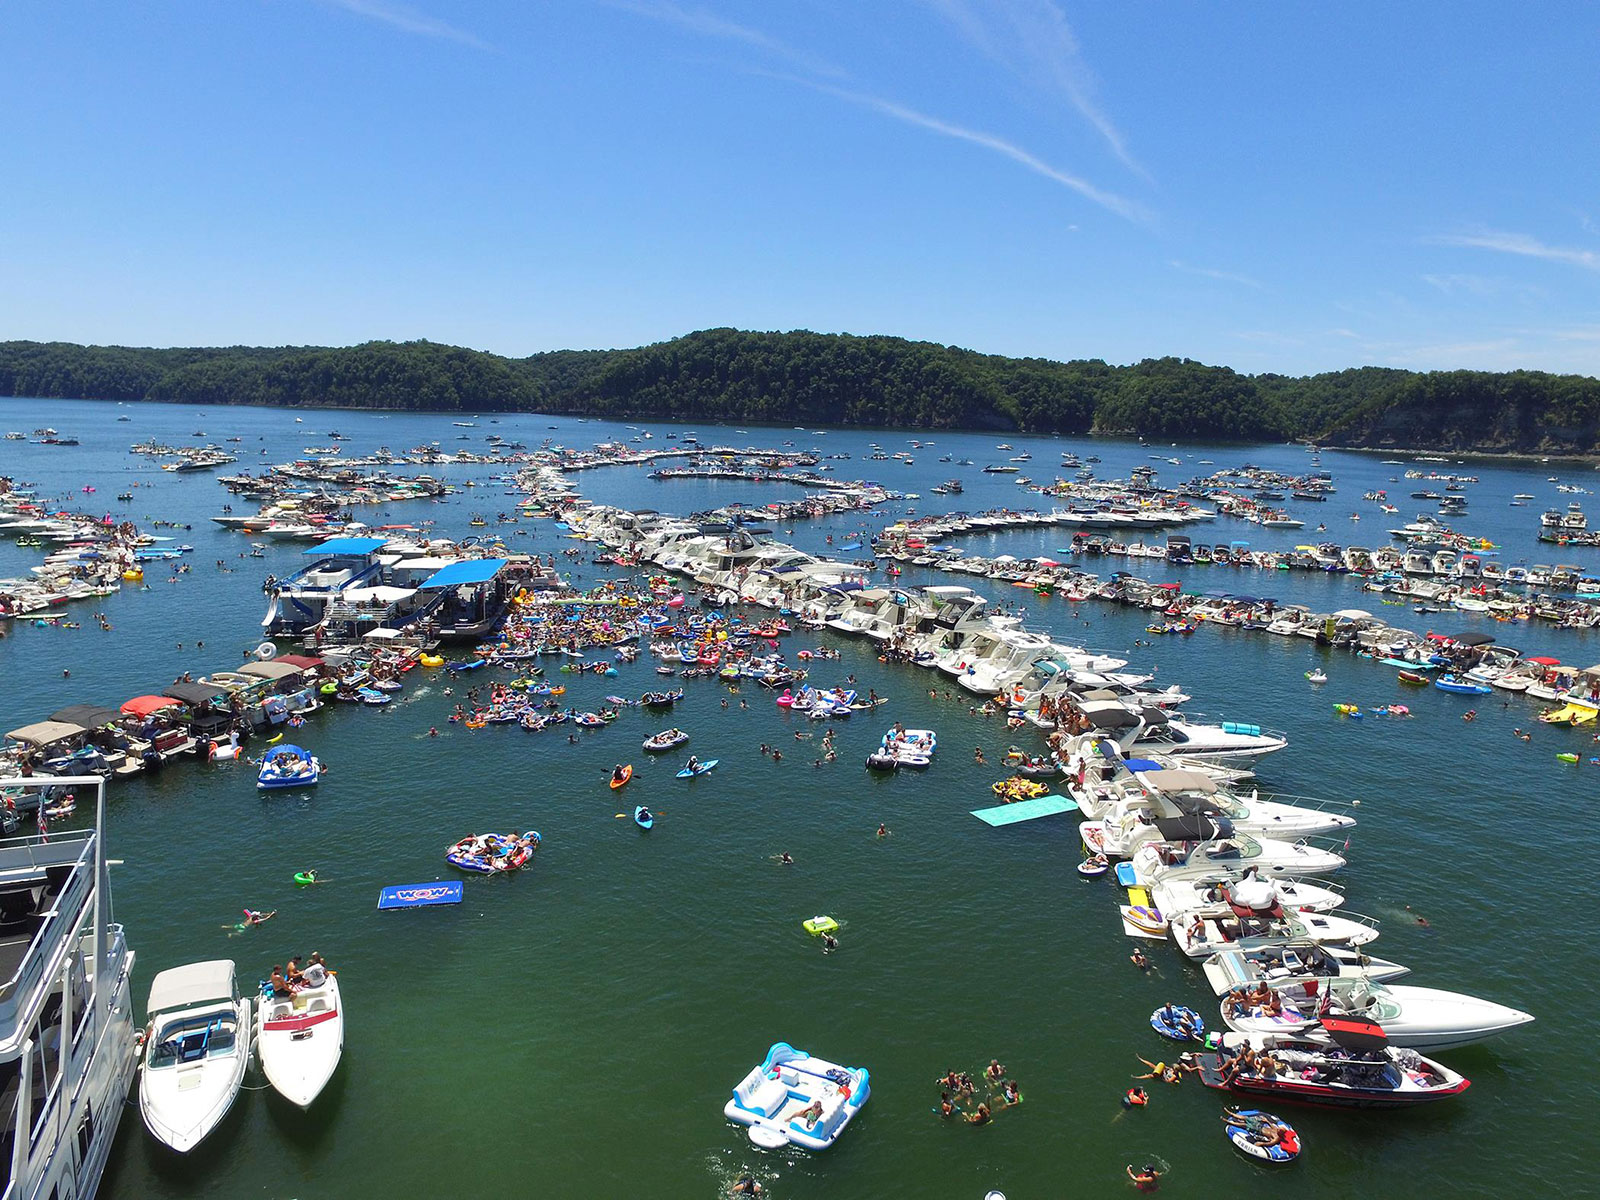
698, 768
622, 781
643, 817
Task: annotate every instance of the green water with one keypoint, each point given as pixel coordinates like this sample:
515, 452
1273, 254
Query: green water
574, 1030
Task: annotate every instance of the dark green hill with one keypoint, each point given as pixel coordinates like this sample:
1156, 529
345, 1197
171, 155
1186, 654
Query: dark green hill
837, 379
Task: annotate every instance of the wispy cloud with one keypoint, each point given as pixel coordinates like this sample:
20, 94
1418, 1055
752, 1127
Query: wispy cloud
408, 20
1121, 205
1213, 273
707, 23
1034, 41
1523, 244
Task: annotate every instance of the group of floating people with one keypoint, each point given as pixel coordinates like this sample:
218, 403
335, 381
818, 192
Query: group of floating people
958, 1088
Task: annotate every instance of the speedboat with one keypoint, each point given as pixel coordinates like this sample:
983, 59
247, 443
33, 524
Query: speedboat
1181, 891
1416, 1017
196, 1048
1244, 966
1347, 1064
1211, 842
793, 1098
288, 766
1203, 933
299, 1039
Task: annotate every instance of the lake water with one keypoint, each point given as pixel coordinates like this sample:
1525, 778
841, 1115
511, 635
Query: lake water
574, 1030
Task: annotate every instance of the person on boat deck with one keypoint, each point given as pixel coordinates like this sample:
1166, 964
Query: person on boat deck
291, 972
280, 985
810, 1114
315, 973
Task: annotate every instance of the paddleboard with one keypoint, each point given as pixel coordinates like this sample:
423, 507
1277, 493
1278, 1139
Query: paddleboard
709, 763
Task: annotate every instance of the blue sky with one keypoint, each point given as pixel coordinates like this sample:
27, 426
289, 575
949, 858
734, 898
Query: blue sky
1275, 187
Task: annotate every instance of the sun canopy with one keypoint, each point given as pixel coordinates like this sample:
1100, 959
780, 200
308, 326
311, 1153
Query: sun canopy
285, 751
381, 635
1141, 764
1471, 639
1353, 614
46, 733
303, 661
143, 706
277, 668
1546, 661
1178, 781
1354, 1034
90, 716
345, 546
1108, 715
196, 695
1193, 828
196, 983
474, 570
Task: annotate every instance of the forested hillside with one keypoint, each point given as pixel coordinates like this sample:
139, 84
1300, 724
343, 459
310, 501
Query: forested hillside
817, 379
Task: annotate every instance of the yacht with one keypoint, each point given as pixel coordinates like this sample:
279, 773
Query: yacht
1139, 732
1239, 966
1191, 843
66, 1016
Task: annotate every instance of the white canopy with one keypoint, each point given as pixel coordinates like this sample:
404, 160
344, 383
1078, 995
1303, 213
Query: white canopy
196, 983
1178, 781
378, 594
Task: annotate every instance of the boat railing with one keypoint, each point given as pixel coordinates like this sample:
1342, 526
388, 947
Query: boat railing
1295, 800
32, 857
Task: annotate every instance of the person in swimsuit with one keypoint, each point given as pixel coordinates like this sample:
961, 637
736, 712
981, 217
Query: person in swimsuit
1146, 1179
980, 1116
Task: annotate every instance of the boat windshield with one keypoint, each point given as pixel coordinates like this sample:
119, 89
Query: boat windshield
1230, 848
192, 1038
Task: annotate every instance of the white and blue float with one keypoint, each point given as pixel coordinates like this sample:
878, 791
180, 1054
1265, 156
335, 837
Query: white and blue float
904, 748
287, 767
792, 1098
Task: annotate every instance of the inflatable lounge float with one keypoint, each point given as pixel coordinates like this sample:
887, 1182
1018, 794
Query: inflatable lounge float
794, 1099
1178, 1023
1243, 1130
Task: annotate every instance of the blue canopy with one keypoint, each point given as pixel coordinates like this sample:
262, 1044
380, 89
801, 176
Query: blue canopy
285, 749
347, 545
473, 570
1141, 764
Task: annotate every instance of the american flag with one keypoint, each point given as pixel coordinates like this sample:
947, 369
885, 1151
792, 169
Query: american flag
44, 824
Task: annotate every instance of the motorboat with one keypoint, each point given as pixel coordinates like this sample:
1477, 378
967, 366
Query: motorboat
1415, 1017
1201, 933
1211, 842
299, 1039
1245, 966
196, 1048
288, 766
1340, 1063
794, 1098
1180, 891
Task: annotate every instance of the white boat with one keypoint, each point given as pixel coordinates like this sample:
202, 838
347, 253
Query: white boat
196, 1048
793, 1098
1209, 843
1415, 1017
299, 1039
1239, 967
1180, 891
57, 936
1204, 932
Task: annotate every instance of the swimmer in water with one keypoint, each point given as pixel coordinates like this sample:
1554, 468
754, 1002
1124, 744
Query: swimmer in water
1421, 920
1138, 959
1146, 1179
829, 943
883, 830
784, 859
